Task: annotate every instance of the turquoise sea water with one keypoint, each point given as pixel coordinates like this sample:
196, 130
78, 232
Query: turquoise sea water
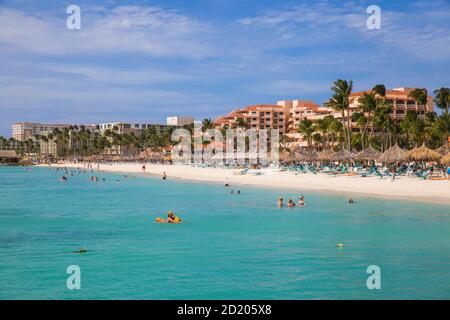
231, 246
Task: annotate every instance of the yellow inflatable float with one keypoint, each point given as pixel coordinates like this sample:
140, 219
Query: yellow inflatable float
172, 216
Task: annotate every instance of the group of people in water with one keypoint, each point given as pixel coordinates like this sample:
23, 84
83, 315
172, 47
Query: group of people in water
291, 203
71, 173
300, 202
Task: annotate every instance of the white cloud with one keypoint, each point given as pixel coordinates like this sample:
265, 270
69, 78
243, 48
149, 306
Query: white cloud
417, 33
126, 29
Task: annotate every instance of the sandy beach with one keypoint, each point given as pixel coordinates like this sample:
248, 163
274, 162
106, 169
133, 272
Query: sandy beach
411, 188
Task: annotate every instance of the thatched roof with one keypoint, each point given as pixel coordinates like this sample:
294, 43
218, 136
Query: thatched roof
393, 154
326, 155
443, 150
368, 154
297, 155
312, 156
150, 155
287, 157
445, 161
8, 154
423, 154
342, 155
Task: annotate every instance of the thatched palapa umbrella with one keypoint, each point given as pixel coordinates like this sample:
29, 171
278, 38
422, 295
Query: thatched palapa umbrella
423, 154
326, 155
287, 157
312, 156
443, 150
368, 154
445, 161
343, 155
393, 154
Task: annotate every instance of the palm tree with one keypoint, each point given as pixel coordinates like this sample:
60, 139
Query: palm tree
324, 126
207, 124
420, 95
241, 123
442, 99
340, 101
307, 128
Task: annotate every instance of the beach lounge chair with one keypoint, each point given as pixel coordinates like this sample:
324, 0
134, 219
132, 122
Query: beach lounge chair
240, 173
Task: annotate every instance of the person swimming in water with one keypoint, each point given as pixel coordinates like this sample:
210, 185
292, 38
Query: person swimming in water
172, 218
301, 201
280, 202
290, 203
351, 200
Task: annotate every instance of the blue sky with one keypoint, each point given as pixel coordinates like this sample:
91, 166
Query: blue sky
144, 60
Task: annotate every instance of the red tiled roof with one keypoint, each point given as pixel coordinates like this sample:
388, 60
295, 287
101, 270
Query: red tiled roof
388, 92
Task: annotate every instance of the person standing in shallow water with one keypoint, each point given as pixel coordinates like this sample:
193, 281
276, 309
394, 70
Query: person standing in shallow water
280, 202
164, 176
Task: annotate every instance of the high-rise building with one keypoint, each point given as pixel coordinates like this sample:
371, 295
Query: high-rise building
26, 130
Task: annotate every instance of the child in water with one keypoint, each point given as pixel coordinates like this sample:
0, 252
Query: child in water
290, 203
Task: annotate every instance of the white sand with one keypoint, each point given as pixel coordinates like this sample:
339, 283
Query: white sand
404, 187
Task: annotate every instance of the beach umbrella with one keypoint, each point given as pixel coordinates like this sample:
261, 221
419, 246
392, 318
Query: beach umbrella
325, 155
312, 156
445, 161
368, 154
301, 155
443, 150
287, 157
342, 155
423, 154
393, 154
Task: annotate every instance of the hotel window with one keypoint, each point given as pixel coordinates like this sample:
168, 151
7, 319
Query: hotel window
136, 125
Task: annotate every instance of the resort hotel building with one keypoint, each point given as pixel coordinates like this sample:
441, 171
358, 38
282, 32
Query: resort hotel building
286, 115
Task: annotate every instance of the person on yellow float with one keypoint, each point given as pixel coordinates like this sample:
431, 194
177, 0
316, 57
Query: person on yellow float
171, 218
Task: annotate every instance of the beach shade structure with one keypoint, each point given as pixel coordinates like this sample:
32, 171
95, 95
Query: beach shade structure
443, 150
393, 154
445, 160
8, 156
343, 155
368, 154
423, 154
300, 155
312, 156
325, 155
287, 157
148, 154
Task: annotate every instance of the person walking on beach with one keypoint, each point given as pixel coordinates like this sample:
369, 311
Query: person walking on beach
143, 168
280, 202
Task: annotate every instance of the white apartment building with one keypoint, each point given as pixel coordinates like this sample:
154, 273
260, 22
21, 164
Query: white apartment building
179, 121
